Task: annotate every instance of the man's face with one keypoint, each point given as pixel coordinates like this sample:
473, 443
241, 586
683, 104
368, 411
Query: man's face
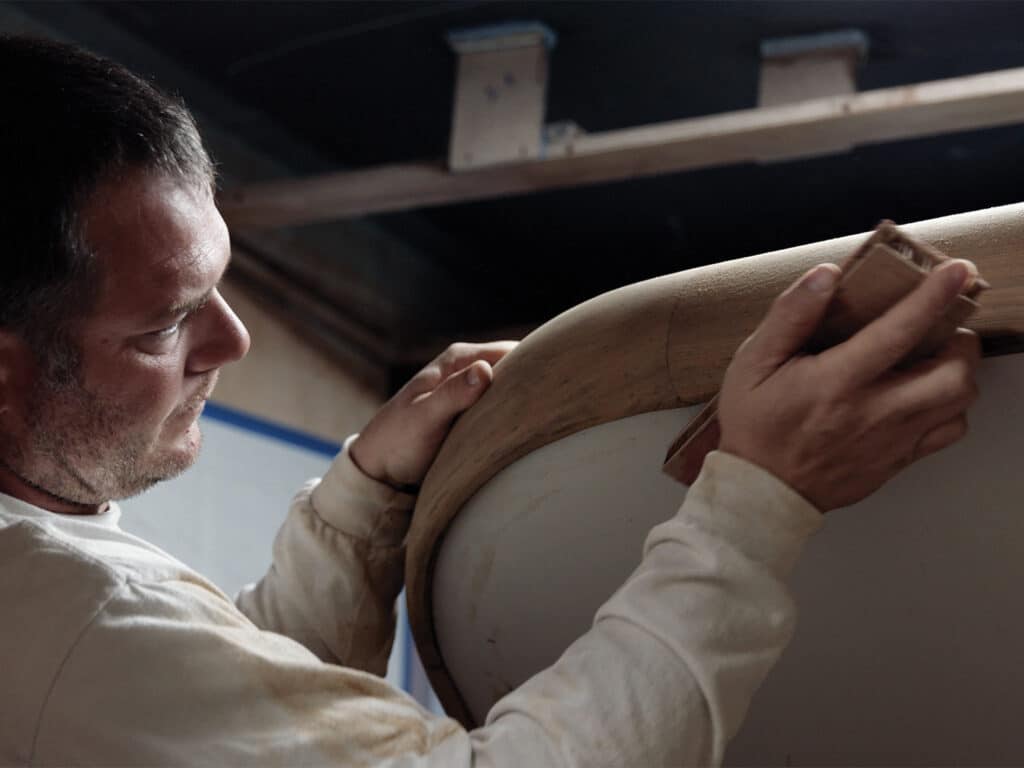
149, 350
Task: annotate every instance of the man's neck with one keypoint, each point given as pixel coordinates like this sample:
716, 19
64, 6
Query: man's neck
19, 487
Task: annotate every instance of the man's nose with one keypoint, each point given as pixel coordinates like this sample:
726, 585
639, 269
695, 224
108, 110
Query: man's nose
222, 337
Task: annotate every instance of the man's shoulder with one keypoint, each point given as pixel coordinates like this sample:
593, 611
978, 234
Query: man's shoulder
37, 562
50, 592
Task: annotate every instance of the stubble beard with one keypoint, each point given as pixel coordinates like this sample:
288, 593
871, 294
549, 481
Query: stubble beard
87, 449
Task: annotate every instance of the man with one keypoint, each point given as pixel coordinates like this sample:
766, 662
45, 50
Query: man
111, 334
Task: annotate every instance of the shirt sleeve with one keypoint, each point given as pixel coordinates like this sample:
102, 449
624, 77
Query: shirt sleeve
338, 566
172, 673
666, 673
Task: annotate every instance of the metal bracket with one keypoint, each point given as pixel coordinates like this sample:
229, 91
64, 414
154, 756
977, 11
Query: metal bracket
500, 94
809, 67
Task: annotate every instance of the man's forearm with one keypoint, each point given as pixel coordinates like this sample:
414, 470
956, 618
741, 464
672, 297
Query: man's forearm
666, 673
337, 570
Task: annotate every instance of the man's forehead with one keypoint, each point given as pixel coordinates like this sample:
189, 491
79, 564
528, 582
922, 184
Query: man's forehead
185, 267
158, 242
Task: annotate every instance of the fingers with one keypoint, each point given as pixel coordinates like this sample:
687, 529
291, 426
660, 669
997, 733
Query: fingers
888, 340
789, 324
937, 394
964, 343
455, 394
460, 355
947, 380
401, 441
457, 357
942, 436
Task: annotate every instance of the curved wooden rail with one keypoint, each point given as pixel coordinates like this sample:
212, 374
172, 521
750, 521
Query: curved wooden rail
664, 343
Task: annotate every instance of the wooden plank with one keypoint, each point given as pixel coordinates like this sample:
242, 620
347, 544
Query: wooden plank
926, 109
660, 344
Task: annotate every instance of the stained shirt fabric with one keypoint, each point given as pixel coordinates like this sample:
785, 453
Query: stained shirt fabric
113, 653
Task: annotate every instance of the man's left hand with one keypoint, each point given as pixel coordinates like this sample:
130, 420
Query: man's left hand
401, 441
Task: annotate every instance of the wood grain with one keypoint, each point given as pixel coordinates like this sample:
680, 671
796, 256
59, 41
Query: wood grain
659, 344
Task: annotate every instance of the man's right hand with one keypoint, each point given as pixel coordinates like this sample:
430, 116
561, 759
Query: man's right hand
837, 425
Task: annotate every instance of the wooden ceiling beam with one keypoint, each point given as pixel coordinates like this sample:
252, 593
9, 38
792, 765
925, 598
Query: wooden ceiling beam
805, 128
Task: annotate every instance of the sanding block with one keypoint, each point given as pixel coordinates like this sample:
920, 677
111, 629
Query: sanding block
884, 269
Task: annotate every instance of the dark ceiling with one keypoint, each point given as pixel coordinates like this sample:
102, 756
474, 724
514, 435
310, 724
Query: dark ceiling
366, 83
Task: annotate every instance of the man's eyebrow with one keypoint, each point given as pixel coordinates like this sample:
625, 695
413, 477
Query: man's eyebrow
189, 305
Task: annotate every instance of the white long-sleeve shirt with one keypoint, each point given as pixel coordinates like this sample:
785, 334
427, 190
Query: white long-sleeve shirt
114, 653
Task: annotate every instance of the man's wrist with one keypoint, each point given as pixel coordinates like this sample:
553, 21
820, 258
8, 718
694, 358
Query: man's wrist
753, 508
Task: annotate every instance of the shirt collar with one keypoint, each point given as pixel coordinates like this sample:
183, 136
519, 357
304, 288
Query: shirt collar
15, 507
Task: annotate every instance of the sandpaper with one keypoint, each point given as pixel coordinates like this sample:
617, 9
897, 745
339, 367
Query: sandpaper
884, 269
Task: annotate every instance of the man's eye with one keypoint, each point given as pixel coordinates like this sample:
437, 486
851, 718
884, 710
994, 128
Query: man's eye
166, 333
162, 341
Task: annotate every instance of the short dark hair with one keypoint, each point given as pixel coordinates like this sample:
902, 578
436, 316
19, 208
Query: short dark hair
71, 120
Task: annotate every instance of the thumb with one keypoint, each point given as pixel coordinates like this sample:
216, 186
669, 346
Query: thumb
790, 322
458, 392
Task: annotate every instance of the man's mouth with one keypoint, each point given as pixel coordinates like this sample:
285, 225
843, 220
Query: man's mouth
194, 405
